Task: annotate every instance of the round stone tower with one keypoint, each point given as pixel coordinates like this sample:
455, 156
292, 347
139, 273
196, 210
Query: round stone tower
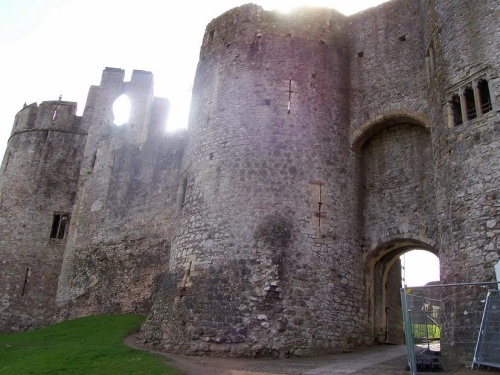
39, 177
463, 70
266, 259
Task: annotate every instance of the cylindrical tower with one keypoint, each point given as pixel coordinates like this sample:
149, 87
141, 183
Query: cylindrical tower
463, 68
266, 258
38, 183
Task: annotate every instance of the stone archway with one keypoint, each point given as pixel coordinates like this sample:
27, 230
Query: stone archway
384, 120
384, 285
398, 208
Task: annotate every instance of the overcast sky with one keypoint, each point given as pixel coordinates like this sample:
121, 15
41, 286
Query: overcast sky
60, 47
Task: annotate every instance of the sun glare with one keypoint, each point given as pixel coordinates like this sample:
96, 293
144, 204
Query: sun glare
345, 7
288, 6
121, 110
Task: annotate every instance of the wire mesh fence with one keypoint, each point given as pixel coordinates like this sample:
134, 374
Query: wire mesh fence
442, 324
487, 351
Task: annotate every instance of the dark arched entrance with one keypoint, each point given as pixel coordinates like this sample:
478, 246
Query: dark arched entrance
384, 285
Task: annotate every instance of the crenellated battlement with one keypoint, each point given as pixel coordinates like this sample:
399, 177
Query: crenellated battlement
53, 115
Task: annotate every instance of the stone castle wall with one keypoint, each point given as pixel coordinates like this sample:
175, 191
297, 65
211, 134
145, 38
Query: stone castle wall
467, 175
320, 148
122, 224
390, 129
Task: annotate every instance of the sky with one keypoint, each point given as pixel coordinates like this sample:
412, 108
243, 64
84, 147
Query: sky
419, 267
60, 47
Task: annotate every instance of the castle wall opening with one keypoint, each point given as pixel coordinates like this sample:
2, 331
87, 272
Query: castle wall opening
398, 212
121, 110
386, 281
59, 223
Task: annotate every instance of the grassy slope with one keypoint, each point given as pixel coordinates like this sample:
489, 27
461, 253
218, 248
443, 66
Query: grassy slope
91, 345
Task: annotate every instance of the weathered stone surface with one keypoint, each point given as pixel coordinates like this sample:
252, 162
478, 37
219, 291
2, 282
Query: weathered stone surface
320, 148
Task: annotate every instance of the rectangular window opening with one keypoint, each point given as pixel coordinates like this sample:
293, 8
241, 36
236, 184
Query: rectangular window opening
59, 223
484, 95
456, 107
470, 103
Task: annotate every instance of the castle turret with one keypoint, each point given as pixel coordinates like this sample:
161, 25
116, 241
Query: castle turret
268, 218
38, 184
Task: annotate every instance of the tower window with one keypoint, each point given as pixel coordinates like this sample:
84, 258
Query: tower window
484, 95
430, 62
181, 197
470, 103
456, 108
59, 223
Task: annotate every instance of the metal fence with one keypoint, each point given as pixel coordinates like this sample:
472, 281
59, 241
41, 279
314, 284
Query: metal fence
487, 351
442, 323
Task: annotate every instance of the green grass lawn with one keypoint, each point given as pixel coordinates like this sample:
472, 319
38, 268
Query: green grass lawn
91, 345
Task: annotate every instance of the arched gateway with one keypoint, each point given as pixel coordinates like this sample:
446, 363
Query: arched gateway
319, 148
398, 201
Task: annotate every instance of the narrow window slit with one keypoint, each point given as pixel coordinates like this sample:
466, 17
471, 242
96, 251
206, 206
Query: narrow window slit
289, 91
320, 206
430, 61
182, 193
26, 278
94, 158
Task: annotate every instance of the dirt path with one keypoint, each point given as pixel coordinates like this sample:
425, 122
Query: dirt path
191, 365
